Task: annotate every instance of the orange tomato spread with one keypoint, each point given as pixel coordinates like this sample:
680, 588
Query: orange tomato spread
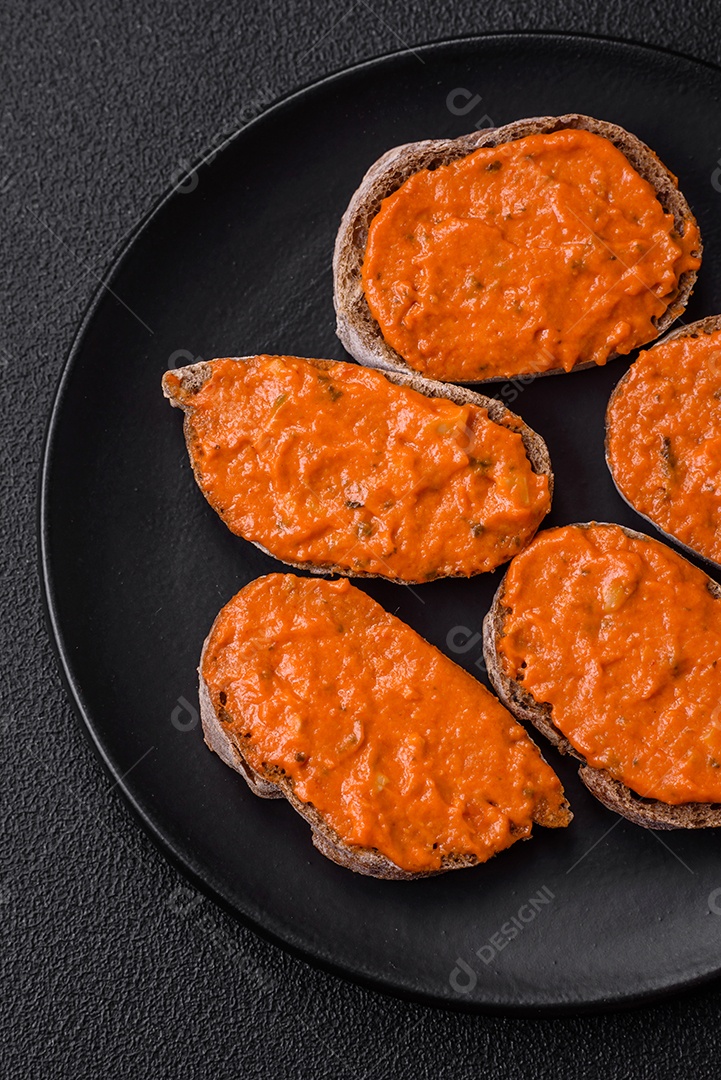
332, 465
396, 747
622, 637
541, 253
664, 439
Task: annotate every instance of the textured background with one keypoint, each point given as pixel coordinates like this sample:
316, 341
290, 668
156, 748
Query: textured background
115, 966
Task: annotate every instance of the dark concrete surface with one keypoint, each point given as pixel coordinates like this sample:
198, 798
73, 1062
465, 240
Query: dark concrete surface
114, 967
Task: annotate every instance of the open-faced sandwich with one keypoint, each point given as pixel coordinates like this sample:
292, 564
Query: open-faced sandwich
663, 436
335, 468
610, 643
402, 763
545, 245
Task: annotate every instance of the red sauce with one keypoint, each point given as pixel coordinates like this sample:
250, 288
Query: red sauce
398, 748
542, 253
623, 638
330, 464
664, 439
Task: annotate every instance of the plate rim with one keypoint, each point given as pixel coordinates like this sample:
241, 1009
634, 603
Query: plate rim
180, 861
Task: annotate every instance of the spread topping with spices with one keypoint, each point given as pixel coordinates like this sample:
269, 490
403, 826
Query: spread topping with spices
394, 745
664, 439
332, 465
622, 637
541, 253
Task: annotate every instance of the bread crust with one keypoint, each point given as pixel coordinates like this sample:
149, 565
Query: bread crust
193, 377
358, 330
650, 813
274, 784
709, 325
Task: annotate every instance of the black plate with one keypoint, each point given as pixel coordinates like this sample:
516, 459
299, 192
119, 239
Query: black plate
136, 565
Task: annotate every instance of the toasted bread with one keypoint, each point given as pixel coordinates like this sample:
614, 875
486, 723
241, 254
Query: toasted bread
273, 785
709, 325
187, 381
226, 733
650, 813
356, 327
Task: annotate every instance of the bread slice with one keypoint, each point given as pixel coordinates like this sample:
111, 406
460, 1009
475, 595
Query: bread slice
274, 783
650, 813
194, 376
709, 325
356, 327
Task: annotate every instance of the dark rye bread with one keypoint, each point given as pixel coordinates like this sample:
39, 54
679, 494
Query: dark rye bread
356, 327
708, 325
274, 784
650, 813
194, 376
